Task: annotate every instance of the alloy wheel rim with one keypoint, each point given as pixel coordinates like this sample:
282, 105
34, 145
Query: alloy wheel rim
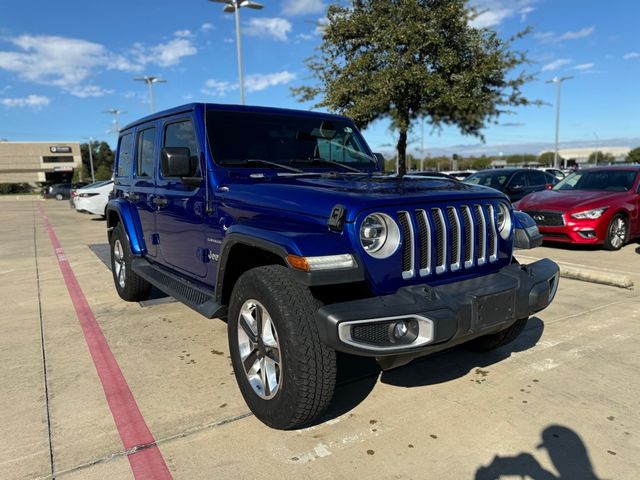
120, 269
259, 349
618, 232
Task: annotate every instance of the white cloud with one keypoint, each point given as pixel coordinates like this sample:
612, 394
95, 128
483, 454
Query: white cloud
276, 28
490, 18
183, 33
631, 55
217, 88
229, 40
584, 66
205, 27
85, 91
170, 53
304, 36
556, 64
550, 37
292, 8
258, 82
525, 12
321, 25
59, 61
32, 101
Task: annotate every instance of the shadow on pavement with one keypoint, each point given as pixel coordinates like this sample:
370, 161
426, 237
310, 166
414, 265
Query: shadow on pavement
565, 448
458, 362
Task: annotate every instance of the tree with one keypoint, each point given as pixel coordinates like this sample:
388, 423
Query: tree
80, 174
102, 154
104, 172
408, 59
633, 156
601, 157
547, 158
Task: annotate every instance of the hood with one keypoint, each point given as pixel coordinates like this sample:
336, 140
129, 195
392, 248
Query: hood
316, 195
566, 200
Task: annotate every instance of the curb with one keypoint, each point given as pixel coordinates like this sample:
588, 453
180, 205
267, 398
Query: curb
592, 276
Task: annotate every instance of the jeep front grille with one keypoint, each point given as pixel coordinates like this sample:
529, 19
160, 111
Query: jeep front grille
439, 240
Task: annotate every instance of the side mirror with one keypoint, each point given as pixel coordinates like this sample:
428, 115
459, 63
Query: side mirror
175, 162
381, 161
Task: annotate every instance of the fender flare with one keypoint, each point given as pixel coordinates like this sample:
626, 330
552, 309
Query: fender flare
129, 220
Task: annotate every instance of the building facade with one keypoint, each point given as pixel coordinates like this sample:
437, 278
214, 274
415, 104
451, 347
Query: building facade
38, 162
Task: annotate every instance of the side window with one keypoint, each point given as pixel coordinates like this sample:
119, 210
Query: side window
537, 178
518, 180
125, 155
146, 150
182, 134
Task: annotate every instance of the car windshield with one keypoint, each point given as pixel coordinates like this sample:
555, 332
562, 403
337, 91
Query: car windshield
608, 180
269, 140
494, 179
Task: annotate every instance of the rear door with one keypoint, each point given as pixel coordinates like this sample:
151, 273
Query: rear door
143, 185
518, 186
180, 209
538, 181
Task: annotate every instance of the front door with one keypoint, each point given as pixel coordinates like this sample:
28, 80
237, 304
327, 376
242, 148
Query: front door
180, 208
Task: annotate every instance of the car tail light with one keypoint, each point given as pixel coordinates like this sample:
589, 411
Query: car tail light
549, 186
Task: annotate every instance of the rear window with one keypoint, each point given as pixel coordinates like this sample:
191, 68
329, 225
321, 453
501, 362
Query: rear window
125, 155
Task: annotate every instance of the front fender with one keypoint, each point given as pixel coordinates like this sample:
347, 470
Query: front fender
527, 235
121, 211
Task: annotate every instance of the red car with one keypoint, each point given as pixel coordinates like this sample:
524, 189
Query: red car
597, 206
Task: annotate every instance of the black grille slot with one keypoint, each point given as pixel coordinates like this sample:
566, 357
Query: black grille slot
546, 219
424, 238
468, 235
482, 234
407, 242
440, 236
454, 228
492, 231
372, 333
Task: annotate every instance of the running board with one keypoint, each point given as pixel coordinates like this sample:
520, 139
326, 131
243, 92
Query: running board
192, 295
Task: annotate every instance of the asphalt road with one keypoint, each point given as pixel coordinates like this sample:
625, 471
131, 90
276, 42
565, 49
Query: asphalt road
560, 402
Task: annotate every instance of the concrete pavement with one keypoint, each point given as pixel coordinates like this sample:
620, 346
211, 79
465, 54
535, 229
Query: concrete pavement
560, 401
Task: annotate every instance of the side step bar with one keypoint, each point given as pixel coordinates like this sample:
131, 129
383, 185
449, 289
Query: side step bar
199, 298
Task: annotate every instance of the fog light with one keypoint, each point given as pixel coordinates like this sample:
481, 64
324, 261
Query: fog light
404, 331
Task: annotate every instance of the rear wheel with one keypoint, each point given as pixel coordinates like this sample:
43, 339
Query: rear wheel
497, 340
59, 196
285, 373
616, 233
130, 286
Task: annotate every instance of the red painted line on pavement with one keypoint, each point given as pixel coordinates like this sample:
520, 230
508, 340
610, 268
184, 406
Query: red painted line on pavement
147, 463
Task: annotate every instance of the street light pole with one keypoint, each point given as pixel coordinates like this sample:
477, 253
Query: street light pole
233, 6
93, 176
150, 80
558, 81
597, 145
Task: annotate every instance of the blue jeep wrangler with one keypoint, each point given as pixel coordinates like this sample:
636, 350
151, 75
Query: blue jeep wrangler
283, 223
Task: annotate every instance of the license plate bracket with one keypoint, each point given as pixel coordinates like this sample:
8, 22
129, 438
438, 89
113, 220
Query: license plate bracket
493, 309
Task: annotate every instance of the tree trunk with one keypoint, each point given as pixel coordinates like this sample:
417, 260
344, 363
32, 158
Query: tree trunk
402, 153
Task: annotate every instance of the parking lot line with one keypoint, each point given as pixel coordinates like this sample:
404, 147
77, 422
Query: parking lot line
145, 458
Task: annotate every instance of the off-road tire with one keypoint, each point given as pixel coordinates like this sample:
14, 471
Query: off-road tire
135, 288
609, 243
308, 367
497, 340
59, 196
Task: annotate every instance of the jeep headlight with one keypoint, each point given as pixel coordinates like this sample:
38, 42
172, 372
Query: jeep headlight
379, 235
504, 220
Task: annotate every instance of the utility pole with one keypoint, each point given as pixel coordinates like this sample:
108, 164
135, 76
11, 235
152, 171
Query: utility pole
93, 176
150, 80
558, 81
116, 119
233, 6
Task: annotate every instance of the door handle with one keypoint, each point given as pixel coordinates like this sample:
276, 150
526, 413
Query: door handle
160, 201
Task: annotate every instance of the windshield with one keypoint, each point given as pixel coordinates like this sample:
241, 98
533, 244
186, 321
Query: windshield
608, 180
246, 138
494, 179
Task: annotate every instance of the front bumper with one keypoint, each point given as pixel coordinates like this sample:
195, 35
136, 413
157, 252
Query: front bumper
447, 315
588, 232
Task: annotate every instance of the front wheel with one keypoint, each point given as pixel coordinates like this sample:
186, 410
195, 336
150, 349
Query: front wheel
497, 340
616, 233
284, 372
130, 286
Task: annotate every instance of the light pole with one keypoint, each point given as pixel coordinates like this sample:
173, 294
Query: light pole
93, 177
234, 6
558, 81
150, 80
597, 145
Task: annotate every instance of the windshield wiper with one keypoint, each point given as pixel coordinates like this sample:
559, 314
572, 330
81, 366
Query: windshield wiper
263, 162
330, 162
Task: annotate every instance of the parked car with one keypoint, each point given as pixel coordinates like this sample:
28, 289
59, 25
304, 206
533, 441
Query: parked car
73, 193
591, 206
461, 174
280, 221
515, 182
61, 191
556, 172
94, 198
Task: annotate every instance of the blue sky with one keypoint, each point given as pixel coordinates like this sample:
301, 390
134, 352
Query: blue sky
62, 64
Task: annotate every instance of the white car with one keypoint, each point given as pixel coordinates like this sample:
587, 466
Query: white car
93, 198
